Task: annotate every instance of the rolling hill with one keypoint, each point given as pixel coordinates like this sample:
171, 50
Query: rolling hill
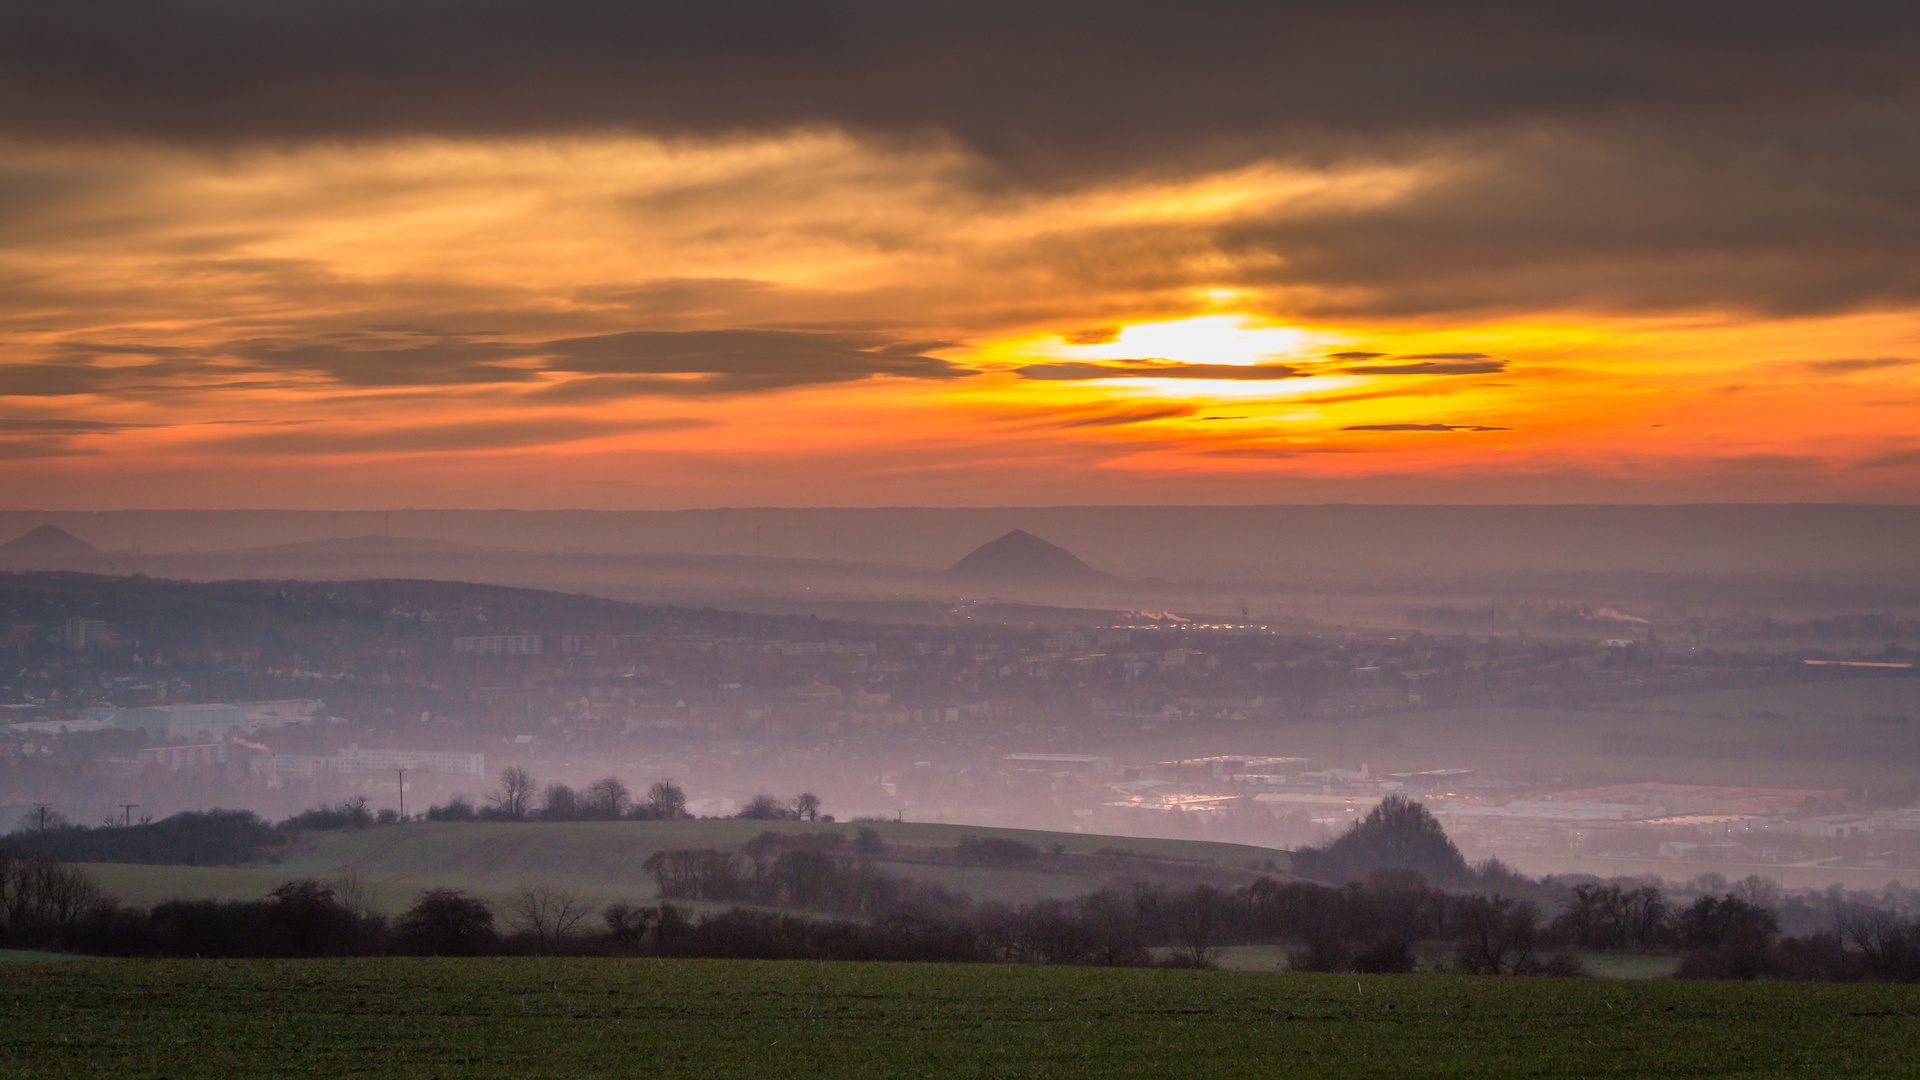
602, 861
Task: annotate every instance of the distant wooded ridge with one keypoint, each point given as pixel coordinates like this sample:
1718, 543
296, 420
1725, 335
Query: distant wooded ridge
1174, 542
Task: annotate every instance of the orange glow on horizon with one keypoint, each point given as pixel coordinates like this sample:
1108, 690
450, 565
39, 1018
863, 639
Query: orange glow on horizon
391, 324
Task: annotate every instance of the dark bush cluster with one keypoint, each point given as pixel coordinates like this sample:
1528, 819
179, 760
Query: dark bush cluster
803, 876
993, 851
193, 838
1398, 834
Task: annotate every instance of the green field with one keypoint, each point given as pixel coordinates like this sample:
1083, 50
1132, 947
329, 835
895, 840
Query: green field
582, 1019
602, 860
1597, 964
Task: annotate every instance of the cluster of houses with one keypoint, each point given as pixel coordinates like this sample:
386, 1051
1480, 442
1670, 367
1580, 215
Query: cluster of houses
202, 736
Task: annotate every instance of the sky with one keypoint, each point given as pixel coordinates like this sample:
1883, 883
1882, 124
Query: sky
631, 255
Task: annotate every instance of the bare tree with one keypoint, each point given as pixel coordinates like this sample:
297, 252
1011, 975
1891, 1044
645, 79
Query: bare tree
1889, 943
548, 914
559, 804
666, 802
1496, 935
356, 894
607, 798
806, 806
1196, 925
44, 892
42, 818
515, 797
628, 924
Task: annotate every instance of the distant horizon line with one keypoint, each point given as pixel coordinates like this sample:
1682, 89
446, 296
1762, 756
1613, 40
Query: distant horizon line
1009, 507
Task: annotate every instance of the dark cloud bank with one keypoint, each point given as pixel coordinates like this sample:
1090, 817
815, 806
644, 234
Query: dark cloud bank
1750, 154
691, 363
1046, 84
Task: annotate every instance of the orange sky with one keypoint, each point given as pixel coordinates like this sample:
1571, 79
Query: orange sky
412, 321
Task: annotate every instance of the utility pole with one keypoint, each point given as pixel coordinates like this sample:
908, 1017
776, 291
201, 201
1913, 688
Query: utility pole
128, 808
403, 793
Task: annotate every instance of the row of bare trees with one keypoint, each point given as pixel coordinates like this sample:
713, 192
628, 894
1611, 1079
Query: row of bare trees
521, 798
38, 892
803, 807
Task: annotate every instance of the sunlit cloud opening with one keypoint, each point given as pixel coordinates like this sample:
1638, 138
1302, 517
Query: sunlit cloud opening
1203, 339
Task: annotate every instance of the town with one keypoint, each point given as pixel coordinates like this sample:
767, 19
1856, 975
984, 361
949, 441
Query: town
133, 698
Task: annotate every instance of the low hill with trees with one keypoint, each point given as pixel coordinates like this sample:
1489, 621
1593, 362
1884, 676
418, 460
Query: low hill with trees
605, 860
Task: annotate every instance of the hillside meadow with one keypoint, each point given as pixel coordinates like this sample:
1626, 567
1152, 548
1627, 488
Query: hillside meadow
584, 1019
603, 860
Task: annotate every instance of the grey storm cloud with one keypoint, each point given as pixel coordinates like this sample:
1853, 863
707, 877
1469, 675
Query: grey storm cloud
1049, 83
693, 363
639, 363
1639, 155
1435, 364
1122, 417
439, 361
1422, 427
1075, 371
73, 374
1850, 366
1892, 459
26, 449
828, 355
57, 426
441, 438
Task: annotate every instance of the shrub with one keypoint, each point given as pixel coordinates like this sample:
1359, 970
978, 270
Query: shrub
446, 922
993, 851
457, 809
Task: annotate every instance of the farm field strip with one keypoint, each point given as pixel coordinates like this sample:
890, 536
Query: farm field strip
601, 860
582, 1019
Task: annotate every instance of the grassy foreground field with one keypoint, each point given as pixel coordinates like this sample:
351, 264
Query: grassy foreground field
582, 1019
602, 860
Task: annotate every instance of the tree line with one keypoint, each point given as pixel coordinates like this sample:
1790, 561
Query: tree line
521, 798
828, 896
239, 837
1393, 922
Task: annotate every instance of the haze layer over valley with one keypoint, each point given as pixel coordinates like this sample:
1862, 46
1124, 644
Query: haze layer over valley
1627, 703
1337, 565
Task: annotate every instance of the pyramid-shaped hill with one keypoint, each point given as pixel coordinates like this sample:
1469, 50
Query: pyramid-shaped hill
1021, 558
48, 542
